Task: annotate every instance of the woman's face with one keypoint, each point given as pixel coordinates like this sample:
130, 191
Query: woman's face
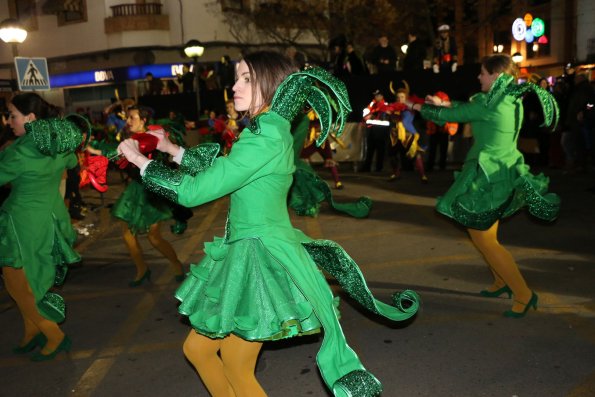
242, 91
17, 120
401, 97
134, 122
486, 79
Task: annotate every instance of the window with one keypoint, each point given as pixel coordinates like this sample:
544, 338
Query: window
72, 11
25, 12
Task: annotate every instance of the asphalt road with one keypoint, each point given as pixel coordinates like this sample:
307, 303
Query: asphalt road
127, 341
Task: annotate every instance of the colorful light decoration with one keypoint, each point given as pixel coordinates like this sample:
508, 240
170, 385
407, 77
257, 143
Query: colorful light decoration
543, 40
528, 29
519, 28
538, 27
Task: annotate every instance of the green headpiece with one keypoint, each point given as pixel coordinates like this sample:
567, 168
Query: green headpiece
325, 93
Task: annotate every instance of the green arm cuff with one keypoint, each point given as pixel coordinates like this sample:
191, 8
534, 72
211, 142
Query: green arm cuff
198, 158
159, 178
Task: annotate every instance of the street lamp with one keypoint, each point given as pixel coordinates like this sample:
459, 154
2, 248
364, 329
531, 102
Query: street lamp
12, 32
517, 57
194, 49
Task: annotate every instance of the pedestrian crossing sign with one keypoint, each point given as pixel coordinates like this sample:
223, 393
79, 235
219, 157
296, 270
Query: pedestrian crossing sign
32, 74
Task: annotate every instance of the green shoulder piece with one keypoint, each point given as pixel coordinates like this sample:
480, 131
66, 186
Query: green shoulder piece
505, 86
498, 89
199, 158
54, 136
326, 94
549, 105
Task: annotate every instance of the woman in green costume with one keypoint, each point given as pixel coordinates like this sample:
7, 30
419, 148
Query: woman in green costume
142, 212
262, 280
36, 236
494, 182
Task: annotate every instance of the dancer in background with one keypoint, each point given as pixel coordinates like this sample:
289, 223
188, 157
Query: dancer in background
262, 281
376, 117
404, 138
142, 211
494, 182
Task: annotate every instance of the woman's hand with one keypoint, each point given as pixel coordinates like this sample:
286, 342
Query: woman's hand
437, 101
129, 149
433, 100
164, 145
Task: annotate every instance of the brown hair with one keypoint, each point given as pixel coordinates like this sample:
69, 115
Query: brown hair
143, 112
403, 91
267, 70
500, 63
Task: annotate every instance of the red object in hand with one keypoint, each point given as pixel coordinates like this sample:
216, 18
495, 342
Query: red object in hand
94, 172
146, 144
415, 99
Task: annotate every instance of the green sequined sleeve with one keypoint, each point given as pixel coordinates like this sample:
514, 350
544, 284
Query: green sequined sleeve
198, 158
473, 110
252, 156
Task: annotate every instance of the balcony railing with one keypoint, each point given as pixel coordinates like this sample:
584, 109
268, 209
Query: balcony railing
131, 17
125, 10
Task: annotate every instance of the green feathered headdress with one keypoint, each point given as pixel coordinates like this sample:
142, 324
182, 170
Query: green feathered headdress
325, 93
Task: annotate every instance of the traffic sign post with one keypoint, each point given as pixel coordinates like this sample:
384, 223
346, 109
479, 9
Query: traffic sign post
32, 74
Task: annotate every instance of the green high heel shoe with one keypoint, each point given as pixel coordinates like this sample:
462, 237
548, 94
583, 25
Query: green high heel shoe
64, 346
532, 303
37, 340
136, 283
494, 294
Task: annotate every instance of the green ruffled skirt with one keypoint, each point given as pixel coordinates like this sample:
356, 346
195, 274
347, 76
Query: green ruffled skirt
241, 289
44, 253
490, 189
140, 209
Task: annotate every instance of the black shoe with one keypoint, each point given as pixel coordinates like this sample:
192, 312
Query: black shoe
136, 283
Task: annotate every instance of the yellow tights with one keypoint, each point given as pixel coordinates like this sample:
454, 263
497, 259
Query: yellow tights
502, 265
156, 241
18, 287
226, 366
